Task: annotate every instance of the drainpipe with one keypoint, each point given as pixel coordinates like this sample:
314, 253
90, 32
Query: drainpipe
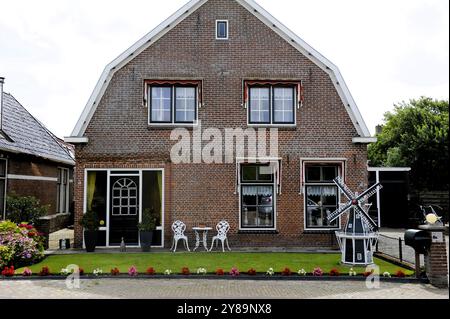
2, 80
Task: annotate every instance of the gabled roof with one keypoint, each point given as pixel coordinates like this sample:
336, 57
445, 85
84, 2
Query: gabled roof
28, 136
181, 14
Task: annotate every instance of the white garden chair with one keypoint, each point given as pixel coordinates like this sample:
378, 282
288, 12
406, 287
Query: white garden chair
222, 229
178, 228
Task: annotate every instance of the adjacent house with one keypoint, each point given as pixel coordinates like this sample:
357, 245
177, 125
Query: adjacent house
34, 162
219, 64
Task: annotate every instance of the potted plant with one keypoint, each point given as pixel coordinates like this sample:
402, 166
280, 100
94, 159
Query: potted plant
90, 224
146, 228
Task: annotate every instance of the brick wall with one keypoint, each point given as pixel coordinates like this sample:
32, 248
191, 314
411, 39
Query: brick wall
119, 135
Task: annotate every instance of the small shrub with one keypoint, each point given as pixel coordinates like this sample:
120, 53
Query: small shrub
251, 272
132, 271
234, 272
286, 272
24, 208
317, 272
150, 271
220, 272
185, 271
334, 272
45, 271
8, 271
400, 273
115, 271
27, 272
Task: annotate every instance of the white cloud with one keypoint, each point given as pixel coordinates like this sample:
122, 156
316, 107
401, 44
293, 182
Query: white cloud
52, 52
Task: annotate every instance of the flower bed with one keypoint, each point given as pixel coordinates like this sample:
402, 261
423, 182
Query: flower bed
20, 245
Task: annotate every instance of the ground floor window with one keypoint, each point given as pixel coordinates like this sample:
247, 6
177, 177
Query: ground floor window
257, 196
3, 168
62, 192
322, 197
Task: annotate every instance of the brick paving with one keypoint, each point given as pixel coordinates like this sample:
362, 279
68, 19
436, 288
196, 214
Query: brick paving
215, 289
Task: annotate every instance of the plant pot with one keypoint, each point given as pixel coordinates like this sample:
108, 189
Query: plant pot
90, 240
146, 238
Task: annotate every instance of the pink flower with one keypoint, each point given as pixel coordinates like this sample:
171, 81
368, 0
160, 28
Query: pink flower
234, 272
132, 271
27, 272
317, 272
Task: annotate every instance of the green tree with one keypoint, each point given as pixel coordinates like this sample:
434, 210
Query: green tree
24, 209
415, 134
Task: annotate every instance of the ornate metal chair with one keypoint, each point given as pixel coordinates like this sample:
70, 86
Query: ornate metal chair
222, 229
178, 228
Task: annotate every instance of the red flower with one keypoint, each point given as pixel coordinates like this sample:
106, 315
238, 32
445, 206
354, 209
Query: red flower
8, 271
368, 273
81, 271
31, 234
44, 271
115, 271
29, 227
400, 273
251, 272
334, 272
286, 272
220, 272
185, 271
150, 271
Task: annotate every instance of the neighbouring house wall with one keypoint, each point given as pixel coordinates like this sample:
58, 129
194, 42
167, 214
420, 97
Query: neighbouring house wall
28, 168
119, 136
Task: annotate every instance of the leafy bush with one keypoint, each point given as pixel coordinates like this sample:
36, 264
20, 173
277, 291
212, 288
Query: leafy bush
90, 221
149, 219
19, 245
24, 209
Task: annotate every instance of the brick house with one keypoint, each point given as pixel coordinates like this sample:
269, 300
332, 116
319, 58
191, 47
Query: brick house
224, 64
34, 162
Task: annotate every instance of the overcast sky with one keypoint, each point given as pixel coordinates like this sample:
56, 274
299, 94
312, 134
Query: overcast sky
52, 52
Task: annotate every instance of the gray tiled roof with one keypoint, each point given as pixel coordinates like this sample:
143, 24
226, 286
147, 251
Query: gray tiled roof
28, 134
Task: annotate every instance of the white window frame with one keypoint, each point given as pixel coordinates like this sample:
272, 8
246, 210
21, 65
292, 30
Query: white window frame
5, 178
341, 163
217, 29
63, 192
271, 109
172, 122
129, 197
108, 198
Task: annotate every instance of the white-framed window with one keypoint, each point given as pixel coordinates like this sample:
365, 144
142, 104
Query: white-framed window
173, 104
3, 175
271, 104
62, 190
125, 197
221, 29
257, 199
321, 195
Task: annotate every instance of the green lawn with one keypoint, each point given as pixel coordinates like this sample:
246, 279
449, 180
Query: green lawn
211, 261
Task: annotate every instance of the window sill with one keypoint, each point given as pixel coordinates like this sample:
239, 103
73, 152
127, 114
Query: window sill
170, 126
320, 231
278, 126
254, 231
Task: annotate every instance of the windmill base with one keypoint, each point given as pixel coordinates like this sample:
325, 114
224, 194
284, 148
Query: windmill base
357, 249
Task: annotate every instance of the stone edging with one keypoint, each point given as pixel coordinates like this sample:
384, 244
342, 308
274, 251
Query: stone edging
225, 277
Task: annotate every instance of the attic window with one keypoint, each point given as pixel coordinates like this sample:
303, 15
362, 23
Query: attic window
221, 29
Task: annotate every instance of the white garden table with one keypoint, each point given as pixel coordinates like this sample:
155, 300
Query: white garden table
204, 231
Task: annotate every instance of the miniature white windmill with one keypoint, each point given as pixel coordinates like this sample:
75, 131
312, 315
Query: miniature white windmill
360, 233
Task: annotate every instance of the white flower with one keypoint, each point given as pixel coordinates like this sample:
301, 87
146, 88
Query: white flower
65, 271
386, 274
352, 272
302, 272
201, 271
270, 272
167, 272
97, 271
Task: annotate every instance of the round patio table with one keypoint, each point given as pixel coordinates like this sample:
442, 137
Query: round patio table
204, 231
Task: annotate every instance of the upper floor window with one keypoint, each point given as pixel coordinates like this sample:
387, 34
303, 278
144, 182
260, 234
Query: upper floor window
173, 103
222, 30
272, 103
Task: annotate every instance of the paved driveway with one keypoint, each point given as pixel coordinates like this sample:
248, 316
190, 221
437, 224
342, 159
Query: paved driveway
216, 289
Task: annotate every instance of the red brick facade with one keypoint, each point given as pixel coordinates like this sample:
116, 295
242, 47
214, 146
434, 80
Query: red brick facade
119, 135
